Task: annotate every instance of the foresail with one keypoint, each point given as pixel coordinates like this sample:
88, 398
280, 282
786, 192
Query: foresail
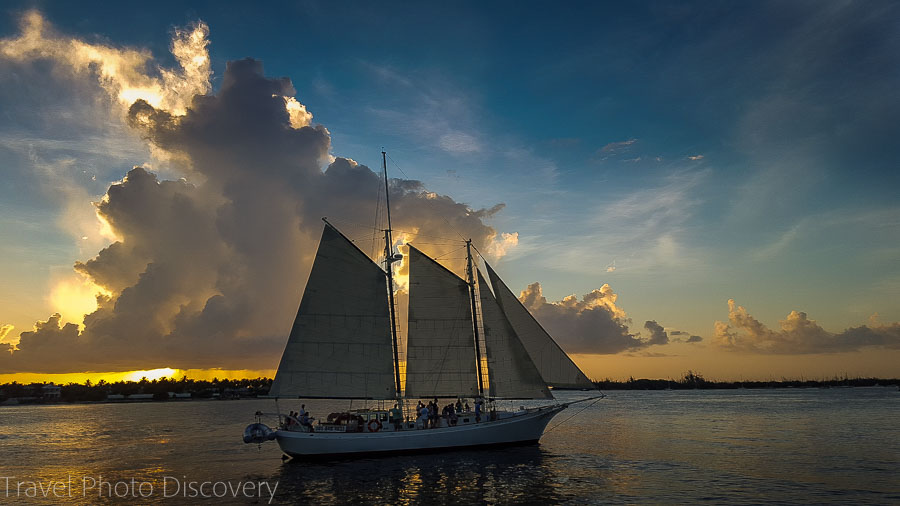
440, 352
340, 344
555, 366
511, 372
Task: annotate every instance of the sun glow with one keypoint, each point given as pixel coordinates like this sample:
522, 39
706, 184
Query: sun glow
153, 374
297, 113
74, 297
122, 72
112, 377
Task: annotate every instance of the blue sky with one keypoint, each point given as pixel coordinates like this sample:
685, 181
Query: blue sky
685, 154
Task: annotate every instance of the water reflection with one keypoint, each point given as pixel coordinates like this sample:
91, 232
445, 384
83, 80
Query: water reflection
837, 445
510, 475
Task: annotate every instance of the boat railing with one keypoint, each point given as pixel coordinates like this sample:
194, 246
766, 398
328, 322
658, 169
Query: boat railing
331, 427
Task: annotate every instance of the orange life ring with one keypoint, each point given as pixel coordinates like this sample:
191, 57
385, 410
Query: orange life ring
374, 426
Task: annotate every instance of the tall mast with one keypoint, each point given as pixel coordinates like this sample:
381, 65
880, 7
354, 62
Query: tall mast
388, 261
471, 275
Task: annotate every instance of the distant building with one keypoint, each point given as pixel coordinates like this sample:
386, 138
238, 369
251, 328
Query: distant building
51, 391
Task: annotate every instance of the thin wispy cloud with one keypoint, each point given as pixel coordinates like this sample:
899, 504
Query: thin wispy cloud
870, 223
642, 230
459, 142
617, 147
387, 74
614, 150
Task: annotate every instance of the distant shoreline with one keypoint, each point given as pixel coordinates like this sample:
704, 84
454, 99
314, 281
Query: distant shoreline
695, 381
41, 402
186, 390
129, 392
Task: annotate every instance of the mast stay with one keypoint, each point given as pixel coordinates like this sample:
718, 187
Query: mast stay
470, 274
389, 259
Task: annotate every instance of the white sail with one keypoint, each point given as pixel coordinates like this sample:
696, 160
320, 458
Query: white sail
340, 344
511, 373
555, 366
440, 352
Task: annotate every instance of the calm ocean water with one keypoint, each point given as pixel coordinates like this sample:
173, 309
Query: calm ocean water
838, 445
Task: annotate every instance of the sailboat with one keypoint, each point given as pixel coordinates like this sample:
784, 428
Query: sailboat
344, 345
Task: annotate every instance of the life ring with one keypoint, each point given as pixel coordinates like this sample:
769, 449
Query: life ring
374, 426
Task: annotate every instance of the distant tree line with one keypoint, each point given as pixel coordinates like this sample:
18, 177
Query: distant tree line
694, 380
160, 389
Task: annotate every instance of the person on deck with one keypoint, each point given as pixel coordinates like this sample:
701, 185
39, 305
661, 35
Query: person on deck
477, 410
395, 417
423, 416
305, 420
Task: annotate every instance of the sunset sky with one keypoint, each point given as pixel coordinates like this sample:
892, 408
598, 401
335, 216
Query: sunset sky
716, 183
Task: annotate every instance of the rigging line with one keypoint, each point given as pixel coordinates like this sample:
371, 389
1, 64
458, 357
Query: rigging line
375, 229
347, 222
602, 396
376, 221
418, 234
359, 239
448, 253
398, 167
445, 219
432, 243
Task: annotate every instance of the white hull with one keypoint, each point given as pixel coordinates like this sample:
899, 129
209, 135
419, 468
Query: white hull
521, 427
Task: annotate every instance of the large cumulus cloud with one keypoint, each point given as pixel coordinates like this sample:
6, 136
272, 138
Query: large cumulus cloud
798, 334
207, 270
593, 324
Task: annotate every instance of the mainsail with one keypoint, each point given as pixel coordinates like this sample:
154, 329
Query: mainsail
440, 352
340, 344
556, 368
511, 372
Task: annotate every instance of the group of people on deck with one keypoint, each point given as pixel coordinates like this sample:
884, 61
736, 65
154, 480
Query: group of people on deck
427, 416
299, 419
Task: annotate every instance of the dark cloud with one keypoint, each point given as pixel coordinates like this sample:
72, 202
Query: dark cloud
689, 339
208, 271
657, 333
46, 338
799, 335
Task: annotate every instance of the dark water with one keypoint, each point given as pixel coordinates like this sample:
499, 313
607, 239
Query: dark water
746, 446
